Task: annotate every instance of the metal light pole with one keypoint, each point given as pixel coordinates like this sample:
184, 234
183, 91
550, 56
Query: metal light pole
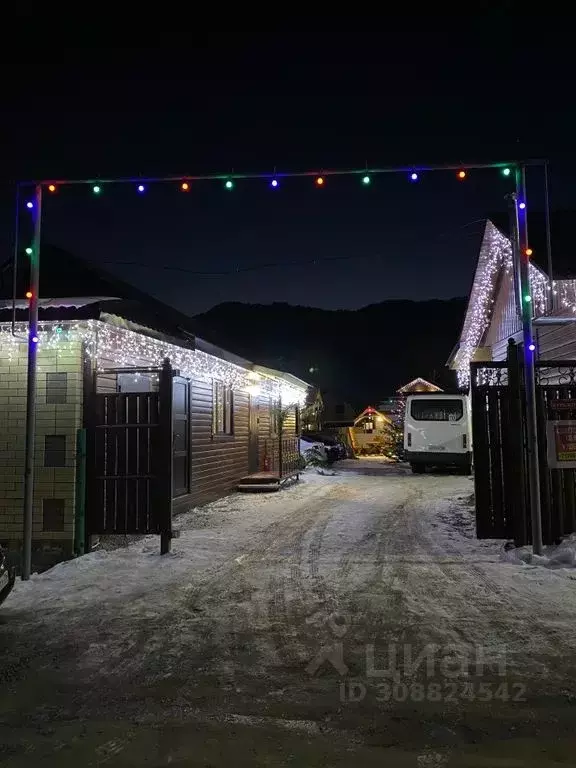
31, 387
521, 260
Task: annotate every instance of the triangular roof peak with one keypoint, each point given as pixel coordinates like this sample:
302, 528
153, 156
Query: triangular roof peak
418, 385
370, 411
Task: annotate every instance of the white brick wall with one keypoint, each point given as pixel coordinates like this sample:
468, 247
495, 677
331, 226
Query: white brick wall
58, 419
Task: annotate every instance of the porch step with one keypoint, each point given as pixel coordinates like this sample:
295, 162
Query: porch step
260, 481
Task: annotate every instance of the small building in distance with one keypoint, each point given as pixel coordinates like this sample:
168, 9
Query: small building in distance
418, 385
393, 407
372, 433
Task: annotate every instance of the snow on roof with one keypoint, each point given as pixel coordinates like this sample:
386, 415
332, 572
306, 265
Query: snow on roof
66, 302
413, 385
369, 411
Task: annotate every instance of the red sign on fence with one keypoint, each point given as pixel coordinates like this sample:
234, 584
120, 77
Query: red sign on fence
562, 444
563, 405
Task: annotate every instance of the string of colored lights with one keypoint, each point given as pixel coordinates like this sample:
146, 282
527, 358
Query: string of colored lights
496, 255
499, 254
108, 344
274, 179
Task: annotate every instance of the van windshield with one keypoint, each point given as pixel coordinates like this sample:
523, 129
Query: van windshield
436, 410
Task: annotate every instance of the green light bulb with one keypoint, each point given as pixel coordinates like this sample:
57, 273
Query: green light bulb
506, 171
96, 189
528, 297
29, 251
229, 184
366, 180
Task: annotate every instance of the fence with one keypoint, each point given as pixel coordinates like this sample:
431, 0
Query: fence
282, 456
129, 460
500, 455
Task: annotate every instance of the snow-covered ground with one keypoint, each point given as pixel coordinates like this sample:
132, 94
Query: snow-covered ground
270, 633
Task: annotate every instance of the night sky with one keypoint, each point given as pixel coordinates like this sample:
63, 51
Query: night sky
145, 112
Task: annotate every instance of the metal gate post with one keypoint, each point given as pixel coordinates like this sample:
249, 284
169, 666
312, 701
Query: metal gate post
521, 261
514, 469
165, 458
31, 389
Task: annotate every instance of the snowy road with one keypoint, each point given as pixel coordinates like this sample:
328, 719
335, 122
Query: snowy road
348, 619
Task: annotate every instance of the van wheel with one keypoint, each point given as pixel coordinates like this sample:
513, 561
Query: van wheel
418, 469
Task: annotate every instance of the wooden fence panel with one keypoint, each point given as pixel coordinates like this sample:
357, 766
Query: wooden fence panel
500, 455
129, 467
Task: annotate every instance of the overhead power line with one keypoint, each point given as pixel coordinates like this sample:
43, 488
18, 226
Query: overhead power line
273, 264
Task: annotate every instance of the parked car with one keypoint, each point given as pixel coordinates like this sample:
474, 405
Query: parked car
7, 577
334, 448
307, 444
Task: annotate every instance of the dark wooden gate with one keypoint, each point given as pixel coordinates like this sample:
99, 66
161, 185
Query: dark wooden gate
500, 458
129, 459
180, 436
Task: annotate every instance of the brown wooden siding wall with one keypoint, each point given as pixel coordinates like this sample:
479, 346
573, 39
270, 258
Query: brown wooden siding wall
264, 428
557, 342
553, 343
505, 317
267, 439
218, 462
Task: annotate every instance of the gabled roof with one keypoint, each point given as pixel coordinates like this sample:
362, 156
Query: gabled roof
418, 385
563, 242
494, 249
369, 411
73, 289
63, 274
495, 263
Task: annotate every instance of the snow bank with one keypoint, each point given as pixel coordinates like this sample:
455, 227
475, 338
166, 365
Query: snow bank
556, 556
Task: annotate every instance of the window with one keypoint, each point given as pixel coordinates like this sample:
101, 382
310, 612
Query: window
222, 403
56, 387
436, 410
52, 515
55, 450
137, 382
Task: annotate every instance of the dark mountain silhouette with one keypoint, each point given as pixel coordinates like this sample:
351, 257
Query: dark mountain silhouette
365, 354
362, 355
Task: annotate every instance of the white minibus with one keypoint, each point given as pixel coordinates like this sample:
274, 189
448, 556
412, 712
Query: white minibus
438, 431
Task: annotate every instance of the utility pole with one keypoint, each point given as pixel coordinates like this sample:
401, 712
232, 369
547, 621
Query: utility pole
521, 261
31, 387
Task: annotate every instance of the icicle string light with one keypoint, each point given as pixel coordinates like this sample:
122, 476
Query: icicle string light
495, 255
111, 345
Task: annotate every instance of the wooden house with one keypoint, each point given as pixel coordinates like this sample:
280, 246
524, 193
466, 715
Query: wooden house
371, 433
492, 318
137, 416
